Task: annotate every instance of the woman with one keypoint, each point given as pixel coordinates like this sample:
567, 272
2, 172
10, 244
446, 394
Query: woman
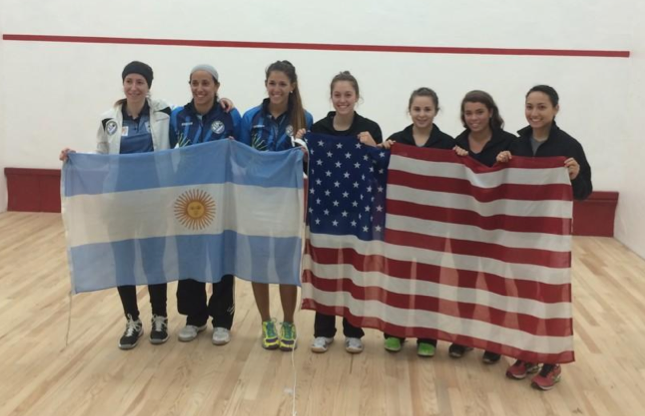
483, 139
543, 138
137, 124
203, 120
345, 121
271, 126
423, 107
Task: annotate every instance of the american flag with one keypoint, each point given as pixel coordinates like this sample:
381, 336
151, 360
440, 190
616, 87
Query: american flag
457, 251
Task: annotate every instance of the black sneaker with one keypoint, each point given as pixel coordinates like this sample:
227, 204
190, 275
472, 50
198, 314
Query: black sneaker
133, 331
458, 351
491, 357
159, 331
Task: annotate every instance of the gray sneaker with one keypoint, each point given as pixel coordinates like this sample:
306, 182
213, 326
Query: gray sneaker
189, 332
353, 345
321, 344
221, 336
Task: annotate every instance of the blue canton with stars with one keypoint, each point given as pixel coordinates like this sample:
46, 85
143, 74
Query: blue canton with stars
346, 187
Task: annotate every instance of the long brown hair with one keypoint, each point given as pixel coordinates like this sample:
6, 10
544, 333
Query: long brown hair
297, 112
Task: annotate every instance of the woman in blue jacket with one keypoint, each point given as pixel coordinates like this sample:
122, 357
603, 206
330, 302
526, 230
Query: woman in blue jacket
203, 120
271, 126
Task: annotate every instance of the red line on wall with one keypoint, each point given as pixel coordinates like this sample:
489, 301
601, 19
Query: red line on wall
320, 46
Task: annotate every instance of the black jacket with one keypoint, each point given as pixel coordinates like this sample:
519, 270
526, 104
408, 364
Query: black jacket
500, 141
437, 139
359, 125
558, 143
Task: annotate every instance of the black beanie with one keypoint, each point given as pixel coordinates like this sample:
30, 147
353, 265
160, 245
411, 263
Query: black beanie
136, 67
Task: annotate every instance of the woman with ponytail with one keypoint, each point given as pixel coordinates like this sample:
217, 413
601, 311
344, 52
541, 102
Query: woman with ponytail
271, 126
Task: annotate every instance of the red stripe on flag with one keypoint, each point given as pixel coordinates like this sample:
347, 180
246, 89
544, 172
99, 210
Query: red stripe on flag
559, 192
545, 258
376, 323
516, 288
449, 156
545, 225
555, 327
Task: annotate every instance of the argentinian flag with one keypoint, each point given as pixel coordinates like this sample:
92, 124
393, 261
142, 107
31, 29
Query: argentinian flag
198, 212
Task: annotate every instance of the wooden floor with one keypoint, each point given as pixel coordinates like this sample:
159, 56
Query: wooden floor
40, 376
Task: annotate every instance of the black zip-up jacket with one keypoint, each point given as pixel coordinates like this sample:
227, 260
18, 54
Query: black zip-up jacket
500, 140
558, 143
359, 125
437, 139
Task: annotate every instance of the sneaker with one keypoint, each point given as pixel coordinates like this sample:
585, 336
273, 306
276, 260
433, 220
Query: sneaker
221, 336
189, 332
288, 336
159, 331
458, 351
353, 345
392, 344
521, 369
270, 339
425, 349
133, 331
491, 357
549, 375
321, 344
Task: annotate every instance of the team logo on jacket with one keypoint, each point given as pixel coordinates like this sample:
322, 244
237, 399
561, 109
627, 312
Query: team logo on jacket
289, 130
217, 127
195, 209
111, 127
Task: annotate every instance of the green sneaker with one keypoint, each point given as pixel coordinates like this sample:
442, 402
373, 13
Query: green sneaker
392, 344
425, 349
287, 336
270, 339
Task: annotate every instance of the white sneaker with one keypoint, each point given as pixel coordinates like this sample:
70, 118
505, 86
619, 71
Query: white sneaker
221, 336
320, 344
189, 332
353, 345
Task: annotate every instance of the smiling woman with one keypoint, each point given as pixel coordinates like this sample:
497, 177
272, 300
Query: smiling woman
137, 124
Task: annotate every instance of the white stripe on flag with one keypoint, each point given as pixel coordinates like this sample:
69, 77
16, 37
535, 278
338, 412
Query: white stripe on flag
151, 213
481, 180
556, 209
513, 271
416, 287
504, 238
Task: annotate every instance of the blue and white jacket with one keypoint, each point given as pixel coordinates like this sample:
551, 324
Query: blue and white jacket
108, 137
186, 126
262, 131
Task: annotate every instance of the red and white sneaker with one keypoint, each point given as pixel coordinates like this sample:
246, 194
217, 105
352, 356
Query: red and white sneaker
549, 375
521, 369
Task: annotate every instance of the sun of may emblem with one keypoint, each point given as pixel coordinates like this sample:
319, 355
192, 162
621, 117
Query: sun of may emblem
195, 209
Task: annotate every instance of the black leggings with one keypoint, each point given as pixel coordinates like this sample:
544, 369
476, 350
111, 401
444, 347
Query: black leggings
158, 299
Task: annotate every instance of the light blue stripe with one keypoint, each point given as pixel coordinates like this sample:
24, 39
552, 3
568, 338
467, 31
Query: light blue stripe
205, 258
215, 162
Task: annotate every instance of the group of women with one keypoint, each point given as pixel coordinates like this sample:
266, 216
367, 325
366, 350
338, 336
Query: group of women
139, 124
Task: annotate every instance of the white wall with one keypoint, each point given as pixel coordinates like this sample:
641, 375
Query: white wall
628, 162
54, 92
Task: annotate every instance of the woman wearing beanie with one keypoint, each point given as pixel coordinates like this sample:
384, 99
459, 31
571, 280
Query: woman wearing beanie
203, 120
137, 124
